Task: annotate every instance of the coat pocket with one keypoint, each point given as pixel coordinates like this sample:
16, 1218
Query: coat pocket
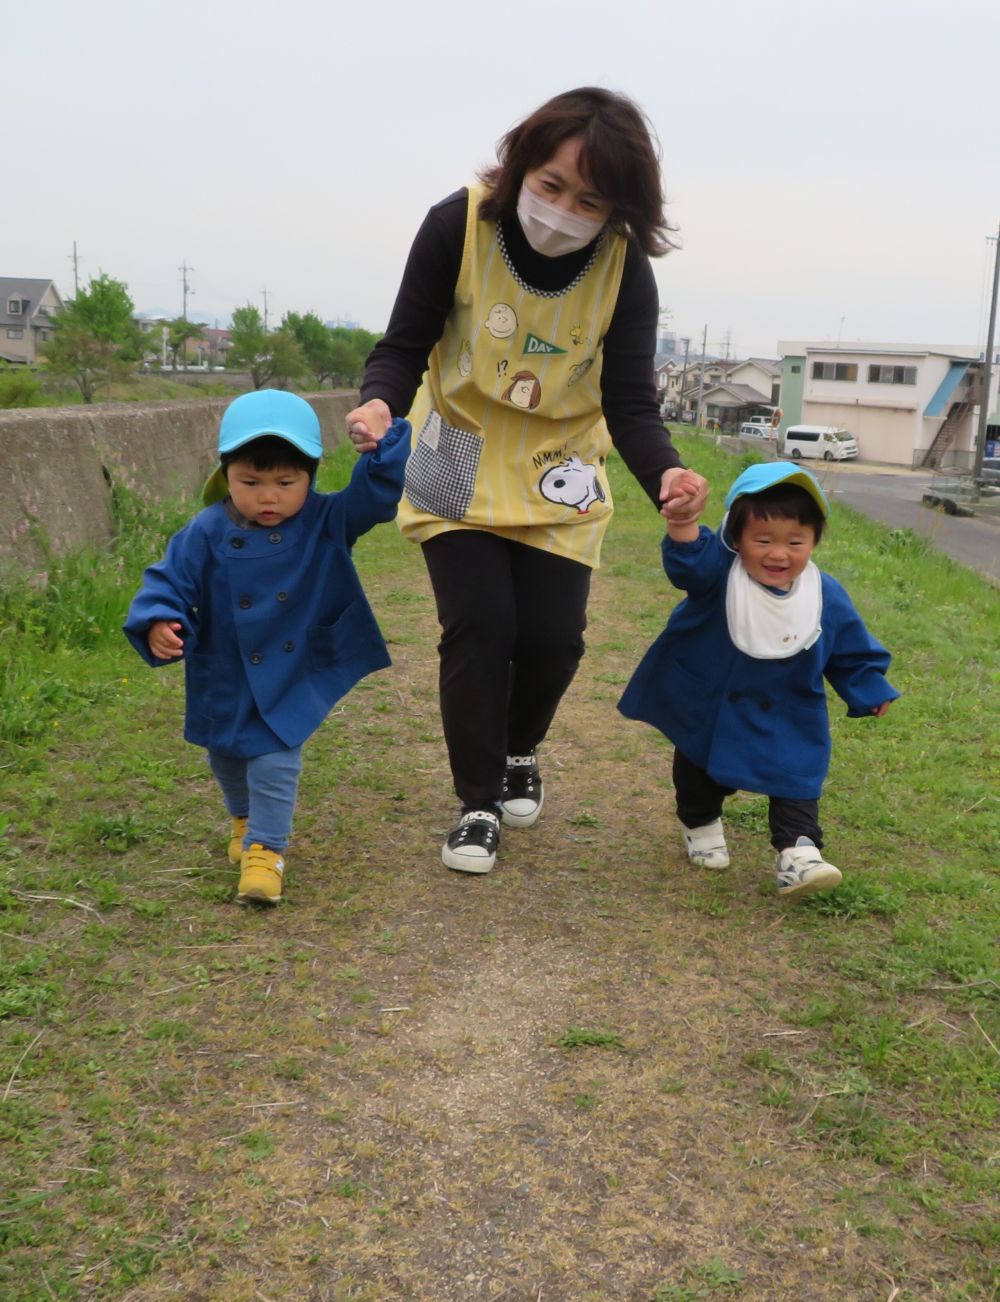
352, 641
441, 472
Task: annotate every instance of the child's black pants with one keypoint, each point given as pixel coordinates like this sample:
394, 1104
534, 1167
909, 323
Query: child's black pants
700, 798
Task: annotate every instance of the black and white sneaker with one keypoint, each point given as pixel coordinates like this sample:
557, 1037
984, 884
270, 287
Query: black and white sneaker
523, 793
472, 843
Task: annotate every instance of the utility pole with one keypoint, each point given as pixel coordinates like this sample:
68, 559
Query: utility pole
76, 271
684, 371
984, 394
701, 380
264, 292
184, 269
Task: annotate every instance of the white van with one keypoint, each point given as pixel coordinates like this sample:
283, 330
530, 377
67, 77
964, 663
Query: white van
826, 441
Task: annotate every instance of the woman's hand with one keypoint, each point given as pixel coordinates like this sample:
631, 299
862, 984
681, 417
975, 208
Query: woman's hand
368, 423
683, 494
164, 641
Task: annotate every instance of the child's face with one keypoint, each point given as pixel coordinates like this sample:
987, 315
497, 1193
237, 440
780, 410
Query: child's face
775, 552
267, 496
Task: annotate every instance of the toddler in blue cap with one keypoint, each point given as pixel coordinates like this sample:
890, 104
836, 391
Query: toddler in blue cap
736, 679
258, 595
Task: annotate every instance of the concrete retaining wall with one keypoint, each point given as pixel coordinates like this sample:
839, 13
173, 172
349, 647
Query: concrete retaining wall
58, 464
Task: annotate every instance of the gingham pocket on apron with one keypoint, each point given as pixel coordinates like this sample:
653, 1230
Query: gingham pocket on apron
441, 472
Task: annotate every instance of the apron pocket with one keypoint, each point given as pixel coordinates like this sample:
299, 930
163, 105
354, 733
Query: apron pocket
441, 472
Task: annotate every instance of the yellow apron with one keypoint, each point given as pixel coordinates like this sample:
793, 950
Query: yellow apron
510, 435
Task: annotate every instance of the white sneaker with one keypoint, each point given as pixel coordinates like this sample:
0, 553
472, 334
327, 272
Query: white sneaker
523, 792
802, 870
472, 843
706, 846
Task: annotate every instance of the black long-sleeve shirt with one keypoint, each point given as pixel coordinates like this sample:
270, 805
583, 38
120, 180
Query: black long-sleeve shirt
426, 295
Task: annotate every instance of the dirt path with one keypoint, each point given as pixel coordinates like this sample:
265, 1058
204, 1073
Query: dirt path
397, 1098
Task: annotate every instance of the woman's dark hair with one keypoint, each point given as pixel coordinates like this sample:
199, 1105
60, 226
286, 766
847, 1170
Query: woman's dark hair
269, 452
782, 502
618, 151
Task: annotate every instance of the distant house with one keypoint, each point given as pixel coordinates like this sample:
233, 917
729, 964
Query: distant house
747, 389
212, 348
27, 308
664, 370
762, 374
906, 404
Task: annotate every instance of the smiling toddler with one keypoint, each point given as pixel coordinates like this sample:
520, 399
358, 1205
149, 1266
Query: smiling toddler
736, 679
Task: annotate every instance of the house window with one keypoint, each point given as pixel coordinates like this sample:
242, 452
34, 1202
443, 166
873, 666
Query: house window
15, 334
835, 371
44, 334
14, 306
796, 369
892, 375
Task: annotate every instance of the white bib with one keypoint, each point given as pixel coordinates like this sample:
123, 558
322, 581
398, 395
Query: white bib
771, 627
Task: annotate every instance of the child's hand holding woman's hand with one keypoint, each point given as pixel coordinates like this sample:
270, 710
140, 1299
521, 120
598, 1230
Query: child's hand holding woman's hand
164, 641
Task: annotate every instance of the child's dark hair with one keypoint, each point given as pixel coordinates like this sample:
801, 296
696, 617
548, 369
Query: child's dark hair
269, 452
782, 502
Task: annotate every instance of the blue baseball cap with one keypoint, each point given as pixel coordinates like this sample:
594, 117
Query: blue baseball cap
760, 477
251, 416
271, 411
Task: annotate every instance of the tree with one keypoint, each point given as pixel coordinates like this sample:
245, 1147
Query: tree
179, 331
316, 342
18, 387
270, 358
95, 338
348, 361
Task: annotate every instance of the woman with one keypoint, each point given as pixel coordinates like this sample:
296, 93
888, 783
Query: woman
529, 301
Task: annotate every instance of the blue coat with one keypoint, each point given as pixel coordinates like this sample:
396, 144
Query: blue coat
755, 725
275, 623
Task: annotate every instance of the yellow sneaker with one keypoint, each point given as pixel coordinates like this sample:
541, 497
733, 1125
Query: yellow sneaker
236, 843
261, 871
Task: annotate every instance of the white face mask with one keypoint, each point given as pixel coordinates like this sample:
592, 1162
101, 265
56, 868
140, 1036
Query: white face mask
551, 230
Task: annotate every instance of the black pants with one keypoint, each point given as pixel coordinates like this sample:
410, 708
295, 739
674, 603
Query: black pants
512, 620
699, 801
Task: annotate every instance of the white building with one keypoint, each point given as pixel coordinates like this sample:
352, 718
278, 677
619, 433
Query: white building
906, 404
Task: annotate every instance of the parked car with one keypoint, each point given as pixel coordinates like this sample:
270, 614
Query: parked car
991, 471
752, 430
826, 441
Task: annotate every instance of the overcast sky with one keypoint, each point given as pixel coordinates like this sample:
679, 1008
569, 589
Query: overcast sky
834, 168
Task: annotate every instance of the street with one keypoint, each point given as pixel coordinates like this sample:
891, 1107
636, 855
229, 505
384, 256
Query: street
894, 496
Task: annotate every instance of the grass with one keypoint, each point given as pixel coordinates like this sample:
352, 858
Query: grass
36, 389
393, 1087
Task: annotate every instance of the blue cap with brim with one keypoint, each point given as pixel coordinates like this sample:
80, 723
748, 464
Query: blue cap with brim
254, 415
760, 477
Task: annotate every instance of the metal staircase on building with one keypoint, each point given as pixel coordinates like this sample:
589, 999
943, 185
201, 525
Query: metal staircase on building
945, 436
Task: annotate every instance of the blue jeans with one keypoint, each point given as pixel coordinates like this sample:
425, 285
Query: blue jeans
262, 790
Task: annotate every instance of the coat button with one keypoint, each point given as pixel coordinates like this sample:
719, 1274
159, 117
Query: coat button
282, 596
274, 537
236, 542
245, 603
733, 697
256, 658
289, 646
765, 704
